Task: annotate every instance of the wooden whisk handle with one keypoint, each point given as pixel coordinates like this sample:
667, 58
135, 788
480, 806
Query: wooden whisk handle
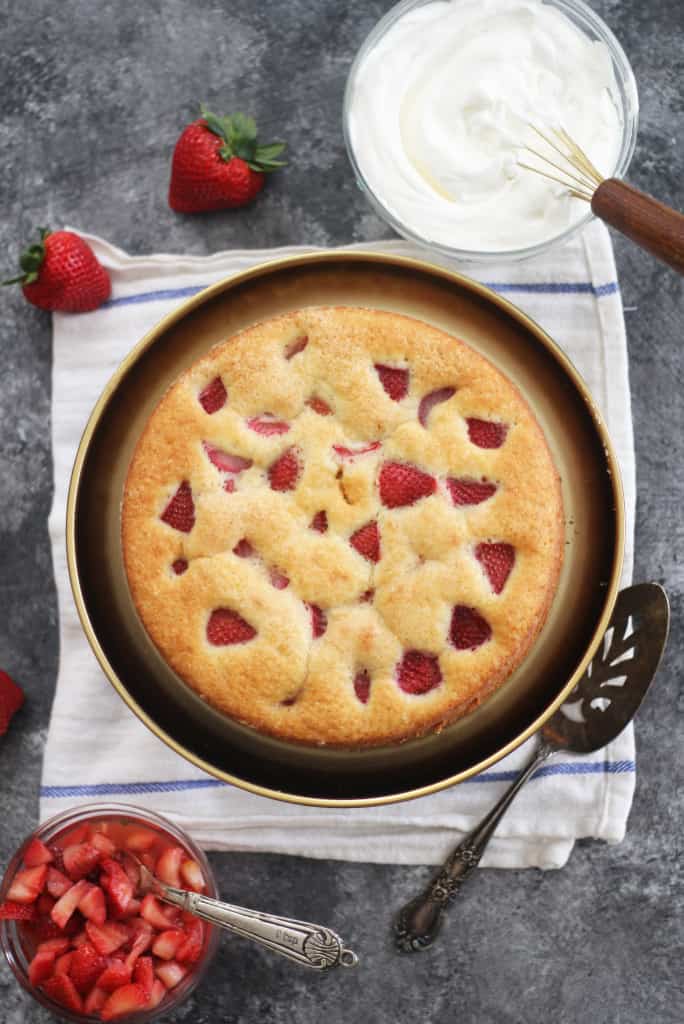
651, 224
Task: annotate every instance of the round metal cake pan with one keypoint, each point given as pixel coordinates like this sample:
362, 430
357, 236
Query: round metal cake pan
588, 585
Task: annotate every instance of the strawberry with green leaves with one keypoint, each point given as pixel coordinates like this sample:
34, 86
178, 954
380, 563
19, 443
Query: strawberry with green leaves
61, 273
218, 163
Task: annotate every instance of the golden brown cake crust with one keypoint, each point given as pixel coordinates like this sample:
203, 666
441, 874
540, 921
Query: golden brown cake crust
410, 631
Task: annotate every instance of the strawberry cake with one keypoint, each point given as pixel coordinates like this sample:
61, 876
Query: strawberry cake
343, 526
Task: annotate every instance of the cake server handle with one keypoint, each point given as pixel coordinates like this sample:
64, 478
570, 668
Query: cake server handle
419, 922
312, 945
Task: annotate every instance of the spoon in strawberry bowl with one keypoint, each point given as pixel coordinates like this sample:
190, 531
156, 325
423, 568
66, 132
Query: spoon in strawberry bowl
311, 945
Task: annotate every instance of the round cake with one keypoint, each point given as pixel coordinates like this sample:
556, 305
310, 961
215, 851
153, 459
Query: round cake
343, 526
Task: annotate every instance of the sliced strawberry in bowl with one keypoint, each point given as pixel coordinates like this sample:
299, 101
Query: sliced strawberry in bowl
156, 914
115, 974
108, 937
124, 1000
37, 853
143, 974
68, 903
80, 859
190, 950
171, 973
191, 875
168, 865
12, 911
86, 967
166, 943
57, 883
117, 886
62, 990
93, 905
95, 1000
27, 885
41, 967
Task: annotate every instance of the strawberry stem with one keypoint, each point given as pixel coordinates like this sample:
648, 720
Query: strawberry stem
31, 261
239, 136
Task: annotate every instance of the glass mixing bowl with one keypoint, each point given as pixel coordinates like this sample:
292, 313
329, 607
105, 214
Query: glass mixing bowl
626, 100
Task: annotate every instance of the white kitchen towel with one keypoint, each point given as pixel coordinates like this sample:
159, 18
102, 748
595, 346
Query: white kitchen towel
96, 749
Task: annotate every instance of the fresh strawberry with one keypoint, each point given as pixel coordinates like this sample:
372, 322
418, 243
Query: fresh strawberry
213, 397
361, 687
217, 163
143, 974
465, 491
319, 406
62, 989
143, 940
57, 883
284, 473
168, 865
11, 699
56, 945
156, 914
394, 379
37, 853
117, 885
486, 433
57, 858
92, 905
86, 967
418, 672
27, 885
132, 869
190, 950
61, 272
180, 511
345, 452
428, 402
366, 541
124, 1000
402, 484
243, 549
116, 974
319, 620
107, 937
166, 943
227, 627
133, 908
140, 839
319, 523
293, 348
80, 859
171, 973
63, 962
67, 904
95, 1000
157, 994
41, 967
468, 628
102, 842
13, 911
497, 560
267, 425
191, 874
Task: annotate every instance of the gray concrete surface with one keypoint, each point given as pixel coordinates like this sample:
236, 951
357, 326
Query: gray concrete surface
92, 96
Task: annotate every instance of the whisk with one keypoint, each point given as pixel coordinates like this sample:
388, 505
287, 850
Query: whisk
651, 224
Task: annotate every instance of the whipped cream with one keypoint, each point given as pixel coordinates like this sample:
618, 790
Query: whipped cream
439, 111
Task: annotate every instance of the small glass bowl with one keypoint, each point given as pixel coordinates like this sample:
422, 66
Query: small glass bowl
10, 939
628, 102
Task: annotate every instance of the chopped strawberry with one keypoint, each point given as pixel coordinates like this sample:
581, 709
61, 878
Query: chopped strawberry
168, 865
191, 874
468, 628
418, 672
56, 946
106, 937
77, 834
126, 999
95, 1000
140, 839
156, 914
319, 406
41, 967
63, 962
284, 473
37, 853
99, 840
143, 974
157, 994
166, 943
213, 396
86, 967
394, 379
58, 860
267, 425
366, 541
11, 699
465, 491
180, 511
296, 346
227, 462
116, 974
429, 401
350, 453
133, 908
27, 885
79, 860
171, 973
92, 905
190, 950
117, 885
497, 560
61, 989
319, 523
67, 904
142, 938
486, 433
227, 627
362, 685
402, 484
319, 620
132, 869
12, 911
57, 883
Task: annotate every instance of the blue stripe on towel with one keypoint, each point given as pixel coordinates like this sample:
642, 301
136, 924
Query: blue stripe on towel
122, 788
540, 288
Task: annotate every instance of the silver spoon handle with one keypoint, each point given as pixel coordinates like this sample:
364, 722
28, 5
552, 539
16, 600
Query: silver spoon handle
312, 945
419, 922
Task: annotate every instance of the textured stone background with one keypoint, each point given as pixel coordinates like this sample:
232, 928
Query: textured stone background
92, 96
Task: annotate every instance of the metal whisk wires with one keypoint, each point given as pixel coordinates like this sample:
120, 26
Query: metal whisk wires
576, 173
